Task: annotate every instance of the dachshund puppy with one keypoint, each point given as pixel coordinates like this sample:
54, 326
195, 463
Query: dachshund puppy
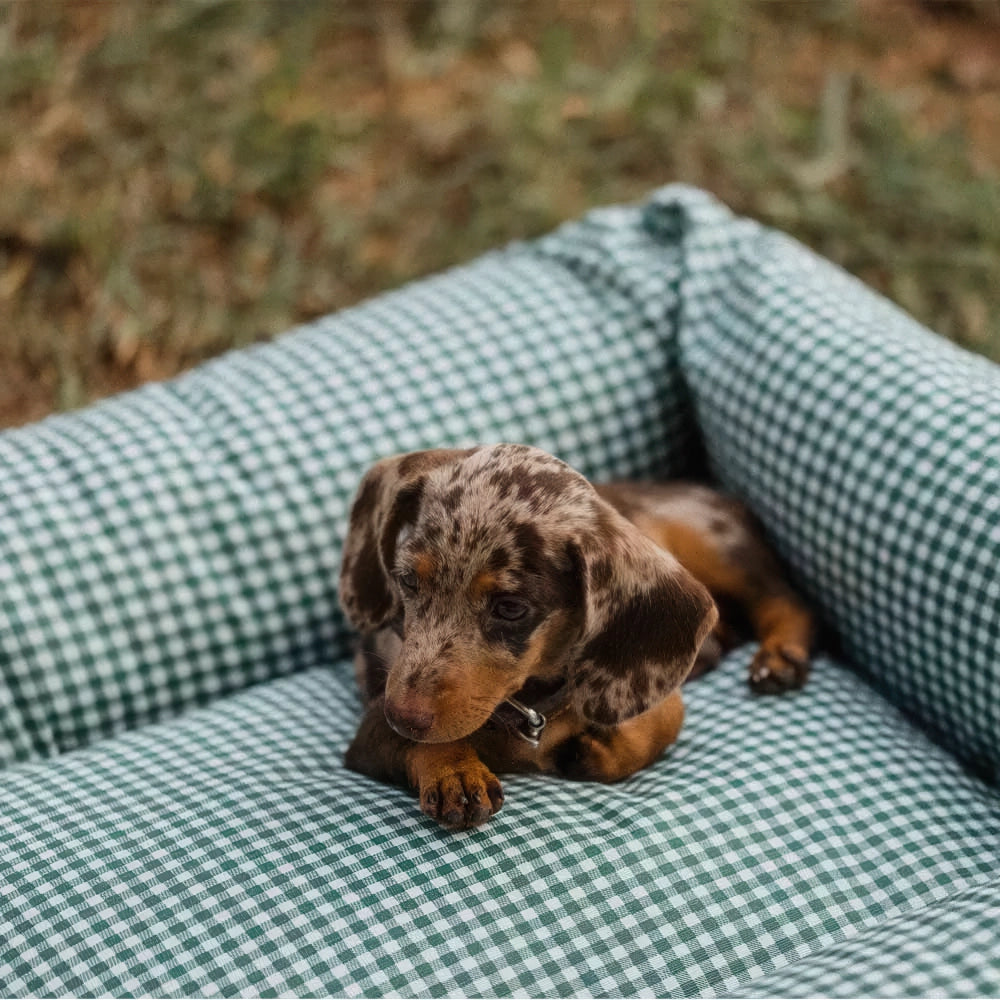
516, 618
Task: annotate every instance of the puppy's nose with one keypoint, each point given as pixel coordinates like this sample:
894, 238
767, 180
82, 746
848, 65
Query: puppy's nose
409, 720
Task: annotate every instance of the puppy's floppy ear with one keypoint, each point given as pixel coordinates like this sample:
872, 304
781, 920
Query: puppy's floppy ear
645, 618
387, 501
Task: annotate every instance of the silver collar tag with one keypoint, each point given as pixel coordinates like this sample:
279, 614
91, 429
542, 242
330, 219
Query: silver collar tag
532, 723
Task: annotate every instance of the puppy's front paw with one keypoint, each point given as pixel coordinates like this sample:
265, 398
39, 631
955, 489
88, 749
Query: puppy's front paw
454, 786
774, 670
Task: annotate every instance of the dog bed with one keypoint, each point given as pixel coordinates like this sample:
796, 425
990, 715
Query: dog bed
176, 693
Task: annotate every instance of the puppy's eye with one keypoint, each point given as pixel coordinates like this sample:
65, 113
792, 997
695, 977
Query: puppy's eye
510, 609
408, 580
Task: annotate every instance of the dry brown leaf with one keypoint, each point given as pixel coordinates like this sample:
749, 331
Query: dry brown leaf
520, 60
13, 278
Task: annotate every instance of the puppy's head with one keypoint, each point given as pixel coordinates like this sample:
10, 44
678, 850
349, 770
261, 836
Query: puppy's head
498, 564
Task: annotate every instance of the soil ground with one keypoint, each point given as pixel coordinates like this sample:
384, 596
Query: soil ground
181, 178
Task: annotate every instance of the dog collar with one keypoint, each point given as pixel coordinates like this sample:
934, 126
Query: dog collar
529, 722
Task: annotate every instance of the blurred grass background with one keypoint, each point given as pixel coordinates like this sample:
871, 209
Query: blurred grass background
180, 178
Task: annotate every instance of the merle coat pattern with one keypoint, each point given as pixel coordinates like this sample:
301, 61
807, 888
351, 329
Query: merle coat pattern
486, 574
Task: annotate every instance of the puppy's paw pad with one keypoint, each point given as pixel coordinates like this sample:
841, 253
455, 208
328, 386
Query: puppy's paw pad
463, 797
774, 671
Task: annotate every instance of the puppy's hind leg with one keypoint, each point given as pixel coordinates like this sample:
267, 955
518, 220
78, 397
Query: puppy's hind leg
748, 572
785, 629
717, 540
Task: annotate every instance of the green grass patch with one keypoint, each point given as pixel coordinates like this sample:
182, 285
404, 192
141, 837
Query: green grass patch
182, 178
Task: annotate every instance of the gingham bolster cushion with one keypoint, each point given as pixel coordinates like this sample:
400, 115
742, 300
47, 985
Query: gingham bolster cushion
183, 541
871, 450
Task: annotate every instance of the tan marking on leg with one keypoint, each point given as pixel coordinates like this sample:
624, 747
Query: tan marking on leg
782, 621
454, 785
620, 752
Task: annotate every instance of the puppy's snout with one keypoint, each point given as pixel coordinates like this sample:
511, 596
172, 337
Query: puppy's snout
412, 719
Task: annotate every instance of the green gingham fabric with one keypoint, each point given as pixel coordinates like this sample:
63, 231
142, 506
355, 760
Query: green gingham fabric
935, 950
871, 450
229, 853
168, 548
183, 541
